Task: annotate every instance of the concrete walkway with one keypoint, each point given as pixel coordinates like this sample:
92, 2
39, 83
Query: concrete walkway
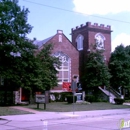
25, 109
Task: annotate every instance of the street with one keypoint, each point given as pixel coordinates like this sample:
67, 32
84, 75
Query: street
94, 123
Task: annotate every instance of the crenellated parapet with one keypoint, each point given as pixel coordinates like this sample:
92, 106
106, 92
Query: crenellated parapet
94, 26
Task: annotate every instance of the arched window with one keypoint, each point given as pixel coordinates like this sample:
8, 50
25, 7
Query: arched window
79, 41
64, 74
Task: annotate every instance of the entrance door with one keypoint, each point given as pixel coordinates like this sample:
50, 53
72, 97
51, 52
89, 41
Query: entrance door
25, 95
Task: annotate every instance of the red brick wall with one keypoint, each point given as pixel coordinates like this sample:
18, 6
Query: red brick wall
107, 42
89, 31
66, 47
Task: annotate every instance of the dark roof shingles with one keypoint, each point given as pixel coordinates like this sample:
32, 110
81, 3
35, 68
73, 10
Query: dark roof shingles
40, 43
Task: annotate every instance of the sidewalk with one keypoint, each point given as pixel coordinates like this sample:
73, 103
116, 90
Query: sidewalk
65, 115
26, 109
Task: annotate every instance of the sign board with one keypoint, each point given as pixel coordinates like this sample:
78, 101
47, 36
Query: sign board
79, 96
40, 99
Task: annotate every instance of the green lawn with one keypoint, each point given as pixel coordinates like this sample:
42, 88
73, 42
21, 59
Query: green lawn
62, 107
65, 107
10, 111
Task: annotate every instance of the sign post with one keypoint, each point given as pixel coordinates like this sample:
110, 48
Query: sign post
73, 87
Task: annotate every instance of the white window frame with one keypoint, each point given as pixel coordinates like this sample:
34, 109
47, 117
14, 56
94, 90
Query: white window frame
64, 58
63, 70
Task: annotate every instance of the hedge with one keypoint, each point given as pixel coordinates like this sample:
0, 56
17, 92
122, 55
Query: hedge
70, 98
119, 101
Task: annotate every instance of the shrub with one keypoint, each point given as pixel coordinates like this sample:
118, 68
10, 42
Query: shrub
127, 98
70, 98
90, 98
128, 101
119, 101
64, 96
101, 100
9, 98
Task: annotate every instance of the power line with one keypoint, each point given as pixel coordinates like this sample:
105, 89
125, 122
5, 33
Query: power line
75, 12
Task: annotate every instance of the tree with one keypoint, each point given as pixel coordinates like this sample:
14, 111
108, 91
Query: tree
18, 65
48, 65
15, 47
96, 71
119, 66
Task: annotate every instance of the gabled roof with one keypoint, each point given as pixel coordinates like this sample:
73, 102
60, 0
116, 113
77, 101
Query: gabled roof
40, 43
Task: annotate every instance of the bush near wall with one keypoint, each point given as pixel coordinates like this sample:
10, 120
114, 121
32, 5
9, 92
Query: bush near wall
127, 101
97, 98
70, 98
96, 95
90, 98
1, 97
64, 96
9, 98
119, 101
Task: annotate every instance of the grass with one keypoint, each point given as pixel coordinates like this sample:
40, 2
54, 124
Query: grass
10, 111
62, 107
65, 107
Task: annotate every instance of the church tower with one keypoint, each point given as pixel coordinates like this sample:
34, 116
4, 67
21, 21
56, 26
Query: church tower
91, 37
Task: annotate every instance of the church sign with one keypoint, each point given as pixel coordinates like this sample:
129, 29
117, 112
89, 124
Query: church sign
40, 98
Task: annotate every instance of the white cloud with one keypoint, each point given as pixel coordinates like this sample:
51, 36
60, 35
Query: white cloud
101, 7
122, 38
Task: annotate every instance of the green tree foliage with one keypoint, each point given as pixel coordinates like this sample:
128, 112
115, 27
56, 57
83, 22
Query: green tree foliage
16, 50
96, 71
13, 23
119, 66
18, 65
48, 65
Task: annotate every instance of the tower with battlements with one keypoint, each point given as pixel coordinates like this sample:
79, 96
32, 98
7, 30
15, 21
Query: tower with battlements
89, 37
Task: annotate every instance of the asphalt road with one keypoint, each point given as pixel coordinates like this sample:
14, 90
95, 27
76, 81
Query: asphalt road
95, 123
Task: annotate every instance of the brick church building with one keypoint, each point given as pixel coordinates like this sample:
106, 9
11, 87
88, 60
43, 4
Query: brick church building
72, 54
68, 56
88, 37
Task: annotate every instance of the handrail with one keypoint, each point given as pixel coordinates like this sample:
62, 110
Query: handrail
114, 92
107, 92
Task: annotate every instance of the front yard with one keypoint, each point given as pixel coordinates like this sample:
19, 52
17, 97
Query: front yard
10, 111
65, 107
62, 107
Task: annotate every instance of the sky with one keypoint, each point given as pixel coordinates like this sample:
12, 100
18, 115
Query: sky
48, 16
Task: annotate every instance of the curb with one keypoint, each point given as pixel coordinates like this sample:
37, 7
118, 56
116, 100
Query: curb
86, 116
